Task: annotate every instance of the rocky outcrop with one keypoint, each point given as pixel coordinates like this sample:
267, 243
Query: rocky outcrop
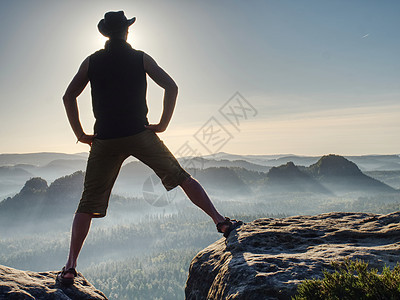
289, 178
16, 284
341, 176
37, 201
268, 258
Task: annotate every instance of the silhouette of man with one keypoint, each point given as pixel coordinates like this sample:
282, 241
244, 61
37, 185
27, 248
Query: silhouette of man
117, 75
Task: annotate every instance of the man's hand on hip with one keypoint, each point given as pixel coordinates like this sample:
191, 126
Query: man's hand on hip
87, 139
156, 127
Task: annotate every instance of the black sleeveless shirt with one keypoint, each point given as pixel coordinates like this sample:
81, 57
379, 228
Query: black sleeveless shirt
118, 82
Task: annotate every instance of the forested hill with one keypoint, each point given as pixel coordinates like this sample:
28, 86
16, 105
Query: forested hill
331, 176
339, 174
39, 203
290, 178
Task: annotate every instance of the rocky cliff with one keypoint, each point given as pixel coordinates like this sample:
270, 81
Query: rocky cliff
16, 284
268, 258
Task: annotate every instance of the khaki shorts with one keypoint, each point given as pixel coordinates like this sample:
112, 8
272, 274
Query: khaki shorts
106, 158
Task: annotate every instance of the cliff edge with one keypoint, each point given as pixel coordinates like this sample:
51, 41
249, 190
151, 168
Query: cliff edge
268, 258
17, 284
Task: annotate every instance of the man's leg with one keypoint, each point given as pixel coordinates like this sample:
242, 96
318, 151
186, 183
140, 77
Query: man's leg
199, 197
80, 229
101, 172
149, 149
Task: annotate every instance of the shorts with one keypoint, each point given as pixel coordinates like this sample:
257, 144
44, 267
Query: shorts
105, 160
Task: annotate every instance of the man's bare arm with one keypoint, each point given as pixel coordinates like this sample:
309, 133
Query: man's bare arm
74, 89
170, 92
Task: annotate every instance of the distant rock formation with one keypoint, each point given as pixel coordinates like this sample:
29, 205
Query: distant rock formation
340, 175
331, 175
268, 258
37, 198
334, 165
16, 284
289, 178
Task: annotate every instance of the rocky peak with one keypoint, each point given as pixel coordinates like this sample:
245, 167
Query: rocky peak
342, 176
334, 165
290, 178
268, 258
70, 185
34, 185
285, 171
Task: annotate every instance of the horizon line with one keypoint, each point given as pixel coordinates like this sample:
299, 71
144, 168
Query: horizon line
217, 153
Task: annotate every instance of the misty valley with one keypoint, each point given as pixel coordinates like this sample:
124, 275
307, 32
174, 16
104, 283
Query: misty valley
143, 247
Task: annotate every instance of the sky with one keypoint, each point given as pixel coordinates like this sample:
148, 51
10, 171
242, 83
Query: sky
308, 77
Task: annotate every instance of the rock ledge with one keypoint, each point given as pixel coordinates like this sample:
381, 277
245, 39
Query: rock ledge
17, 284
268, 258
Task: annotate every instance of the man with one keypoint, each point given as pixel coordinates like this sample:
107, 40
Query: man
117, 75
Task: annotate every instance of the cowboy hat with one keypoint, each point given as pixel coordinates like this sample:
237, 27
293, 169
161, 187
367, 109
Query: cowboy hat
114, 21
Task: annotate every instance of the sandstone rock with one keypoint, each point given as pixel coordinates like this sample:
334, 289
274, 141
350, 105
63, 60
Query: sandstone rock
21, 285
268, 258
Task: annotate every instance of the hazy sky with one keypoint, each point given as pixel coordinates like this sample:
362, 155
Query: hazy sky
318, 76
